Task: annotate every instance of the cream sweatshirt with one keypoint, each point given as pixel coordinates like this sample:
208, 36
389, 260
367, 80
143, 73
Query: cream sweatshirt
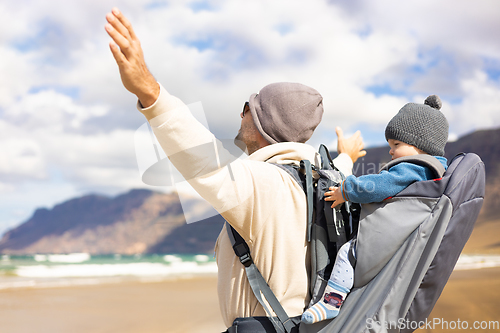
261, 201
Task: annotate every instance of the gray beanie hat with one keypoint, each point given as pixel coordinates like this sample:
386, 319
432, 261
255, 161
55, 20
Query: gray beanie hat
420, 125
286, 112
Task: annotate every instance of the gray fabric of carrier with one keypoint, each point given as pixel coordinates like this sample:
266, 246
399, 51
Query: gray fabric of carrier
407, 247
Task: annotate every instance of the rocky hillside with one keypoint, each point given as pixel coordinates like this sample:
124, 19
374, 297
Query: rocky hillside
135, 222
143, 221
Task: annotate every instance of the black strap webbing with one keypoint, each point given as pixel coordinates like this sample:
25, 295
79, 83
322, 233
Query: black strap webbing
305, 165
351, 253
258, 284
330, 221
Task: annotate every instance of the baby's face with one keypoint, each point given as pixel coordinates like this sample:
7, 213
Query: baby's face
400, 149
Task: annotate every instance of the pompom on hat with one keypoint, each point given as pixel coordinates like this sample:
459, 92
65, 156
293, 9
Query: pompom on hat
286, 112
420, 125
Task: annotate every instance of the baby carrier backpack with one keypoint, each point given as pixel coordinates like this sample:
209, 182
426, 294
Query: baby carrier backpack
327, 230
407, 245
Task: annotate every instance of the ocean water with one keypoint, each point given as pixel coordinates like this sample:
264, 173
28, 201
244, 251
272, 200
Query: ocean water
45, 271
53, 270
477, 261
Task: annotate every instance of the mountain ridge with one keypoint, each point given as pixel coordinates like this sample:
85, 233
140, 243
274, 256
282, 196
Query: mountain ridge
144, 221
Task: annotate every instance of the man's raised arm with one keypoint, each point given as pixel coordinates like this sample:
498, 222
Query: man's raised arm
128, 54
192, 148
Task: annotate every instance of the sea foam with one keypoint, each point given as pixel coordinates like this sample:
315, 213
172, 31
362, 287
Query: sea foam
477, 261
129, 269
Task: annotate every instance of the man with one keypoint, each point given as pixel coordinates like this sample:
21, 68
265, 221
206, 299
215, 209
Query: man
259, 200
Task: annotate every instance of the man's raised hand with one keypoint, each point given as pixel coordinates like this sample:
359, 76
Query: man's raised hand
352, 146
128, 54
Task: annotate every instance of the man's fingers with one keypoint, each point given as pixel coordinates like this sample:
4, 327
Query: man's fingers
117, 25
117, 37
357, 137
352, 146
340, 133
360, 144
125, 22
117, 54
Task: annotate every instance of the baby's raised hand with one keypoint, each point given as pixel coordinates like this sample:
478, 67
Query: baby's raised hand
335, 195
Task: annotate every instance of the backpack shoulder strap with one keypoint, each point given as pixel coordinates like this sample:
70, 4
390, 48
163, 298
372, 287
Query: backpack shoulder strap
258, 284
293, 171
423, 159
326, 158
306, 182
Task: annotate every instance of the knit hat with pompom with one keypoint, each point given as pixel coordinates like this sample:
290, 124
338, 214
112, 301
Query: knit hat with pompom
420, 125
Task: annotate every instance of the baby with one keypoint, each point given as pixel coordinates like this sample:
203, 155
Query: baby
416, 129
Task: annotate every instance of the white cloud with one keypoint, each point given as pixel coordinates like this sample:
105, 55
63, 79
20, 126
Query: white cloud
66, 121
16, 72
480, 106
22, 157
51, 111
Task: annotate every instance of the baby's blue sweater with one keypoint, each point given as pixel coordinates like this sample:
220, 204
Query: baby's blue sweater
377, 187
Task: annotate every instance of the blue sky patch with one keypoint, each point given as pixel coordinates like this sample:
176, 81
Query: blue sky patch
428, 59
199, 6
452, 99
492, 68
373, 134
231, 52
297, 57
384, 89
156, 4
48, 34
364, 31
284, 28
493, 74
201, 44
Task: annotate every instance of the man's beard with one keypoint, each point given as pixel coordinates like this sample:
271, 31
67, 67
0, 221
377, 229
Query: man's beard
238, 141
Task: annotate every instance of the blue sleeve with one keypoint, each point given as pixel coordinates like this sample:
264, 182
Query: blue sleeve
377, 187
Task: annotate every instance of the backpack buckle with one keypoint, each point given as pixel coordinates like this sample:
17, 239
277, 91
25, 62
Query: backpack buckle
246, 259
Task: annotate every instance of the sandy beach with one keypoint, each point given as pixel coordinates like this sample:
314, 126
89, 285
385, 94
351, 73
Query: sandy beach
190, 305
470, 296
176, 306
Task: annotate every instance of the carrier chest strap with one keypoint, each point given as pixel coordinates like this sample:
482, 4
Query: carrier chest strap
258, 284
422, 159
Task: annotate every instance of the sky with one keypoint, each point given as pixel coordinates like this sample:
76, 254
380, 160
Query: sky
67, 125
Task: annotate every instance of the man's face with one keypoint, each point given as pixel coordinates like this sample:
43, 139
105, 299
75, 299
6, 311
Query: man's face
247, 138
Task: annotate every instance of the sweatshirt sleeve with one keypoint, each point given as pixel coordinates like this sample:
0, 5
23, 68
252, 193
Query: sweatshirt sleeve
377, 187
344, 163
227, 183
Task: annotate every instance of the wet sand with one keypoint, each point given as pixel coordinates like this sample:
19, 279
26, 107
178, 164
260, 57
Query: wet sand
469, 296
180, 306
191, 305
